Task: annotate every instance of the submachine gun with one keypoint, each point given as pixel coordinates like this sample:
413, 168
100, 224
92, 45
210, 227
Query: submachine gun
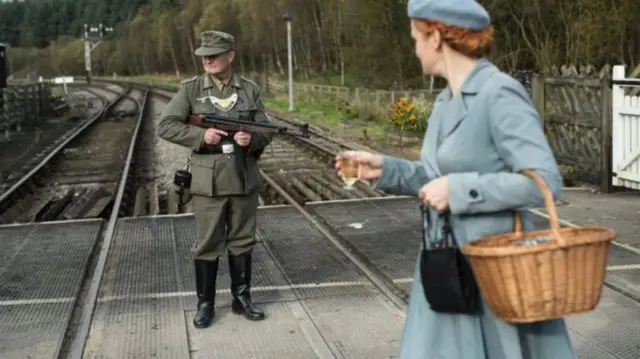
232, 126
182, 178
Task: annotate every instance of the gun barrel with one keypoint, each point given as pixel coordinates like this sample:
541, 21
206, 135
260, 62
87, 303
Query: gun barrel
236, 125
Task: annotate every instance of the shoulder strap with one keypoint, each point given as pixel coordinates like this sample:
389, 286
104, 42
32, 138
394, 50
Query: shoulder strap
249, 81
187, 80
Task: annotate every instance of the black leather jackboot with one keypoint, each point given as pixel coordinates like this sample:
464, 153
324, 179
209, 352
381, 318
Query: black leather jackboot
240, 271
206, 272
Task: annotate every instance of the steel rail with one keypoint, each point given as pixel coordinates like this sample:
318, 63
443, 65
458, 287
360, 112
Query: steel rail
81, 335
105, 110
390, 290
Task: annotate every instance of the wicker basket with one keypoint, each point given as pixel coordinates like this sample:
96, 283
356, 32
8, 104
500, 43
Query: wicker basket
525, 283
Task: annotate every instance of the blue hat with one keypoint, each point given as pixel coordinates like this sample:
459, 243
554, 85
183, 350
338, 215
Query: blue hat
467, 14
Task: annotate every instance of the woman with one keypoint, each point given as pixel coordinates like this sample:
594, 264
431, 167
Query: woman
482, 131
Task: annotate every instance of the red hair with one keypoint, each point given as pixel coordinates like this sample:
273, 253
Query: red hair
472, 43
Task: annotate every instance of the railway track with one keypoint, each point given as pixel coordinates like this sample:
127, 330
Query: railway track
86, 176
79, 177
10, 173
305, 170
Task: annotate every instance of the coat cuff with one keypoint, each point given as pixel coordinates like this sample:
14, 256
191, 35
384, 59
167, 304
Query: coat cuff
198, 135
389, 176
464, 191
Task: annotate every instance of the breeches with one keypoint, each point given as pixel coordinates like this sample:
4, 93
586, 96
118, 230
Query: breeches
223, 223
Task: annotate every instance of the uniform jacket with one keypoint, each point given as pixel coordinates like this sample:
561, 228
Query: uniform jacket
216, 174
480, 139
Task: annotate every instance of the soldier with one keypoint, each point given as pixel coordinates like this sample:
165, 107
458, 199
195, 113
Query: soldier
225, 177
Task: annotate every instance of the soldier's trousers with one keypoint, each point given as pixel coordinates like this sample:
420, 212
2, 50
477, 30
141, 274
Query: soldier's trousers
223, 223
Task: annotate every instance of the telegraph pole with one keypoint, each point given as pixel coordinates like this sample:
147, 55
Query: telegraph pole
90, 45
287, 19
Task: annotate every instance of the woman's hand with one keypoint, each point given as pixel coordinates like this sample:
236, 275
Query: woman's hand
436, 194
369, 164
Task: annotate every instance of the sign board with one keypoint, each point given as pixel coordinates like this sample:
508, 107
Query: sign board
63, 80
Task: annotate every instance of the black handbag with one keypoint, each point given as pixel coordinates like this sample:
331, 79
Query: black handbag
447, 279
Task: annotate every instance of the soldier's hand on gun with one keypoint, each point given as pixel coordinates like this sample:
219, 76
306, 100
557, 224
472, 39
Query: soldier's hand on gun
212, 136
242, 138
369, 164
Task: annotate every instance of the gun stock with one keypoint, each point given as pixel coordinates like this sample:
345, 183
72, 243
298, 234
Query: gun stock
207, 121
196, 120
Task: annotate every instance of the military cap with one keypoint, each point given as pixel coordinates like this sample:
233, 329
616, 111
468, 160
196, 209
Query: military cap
467, 14
214, 43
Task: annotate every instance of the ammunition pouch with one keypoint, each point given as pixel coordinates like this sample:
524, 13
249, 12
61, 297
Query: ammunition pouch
182, 179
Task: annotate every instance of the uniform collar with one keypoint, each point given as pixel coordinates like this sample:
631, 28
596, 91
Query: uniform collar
210, 81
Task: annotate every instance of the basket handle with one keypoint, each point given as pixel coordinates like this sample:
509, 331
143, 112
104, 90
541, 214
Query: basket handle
549, 203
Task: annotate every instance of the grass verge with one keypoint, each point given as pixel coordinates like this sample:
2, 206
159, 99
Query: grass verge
375, 134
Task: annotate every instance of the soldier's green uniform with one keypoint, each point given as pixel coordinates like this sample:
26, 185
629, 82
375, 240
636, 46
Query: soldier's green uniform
225, 186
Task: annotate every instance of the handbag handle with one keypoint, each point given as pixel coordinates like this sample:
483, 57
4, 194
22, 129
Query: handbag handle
549, 203
426, 222
447, 230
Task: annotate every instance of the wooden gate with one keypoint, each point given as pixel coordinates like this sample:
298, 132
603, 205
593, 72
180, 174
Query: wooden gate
625, 101
575, 109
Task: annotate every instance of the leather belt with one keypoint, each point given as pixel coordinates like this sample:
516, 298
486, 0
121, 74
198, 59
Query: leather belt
210, 150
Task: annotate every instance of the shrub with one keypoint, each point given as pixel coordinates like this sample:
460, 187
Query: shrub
410, 114
347, 110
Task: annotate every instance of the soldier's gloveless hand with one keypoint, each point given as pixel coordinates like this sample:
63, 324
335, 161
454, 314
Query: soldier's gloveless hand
212, 136
242, 138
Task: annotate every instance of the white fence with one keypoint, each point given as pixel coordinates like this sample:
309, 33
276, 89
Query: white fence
625, 137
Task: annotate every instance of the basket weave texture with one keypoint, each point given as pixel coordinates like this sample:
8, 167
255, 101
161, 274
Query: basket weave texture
561, 276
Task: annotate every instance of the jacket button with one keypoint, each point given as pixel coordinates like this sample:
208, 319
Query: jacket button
473, 193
